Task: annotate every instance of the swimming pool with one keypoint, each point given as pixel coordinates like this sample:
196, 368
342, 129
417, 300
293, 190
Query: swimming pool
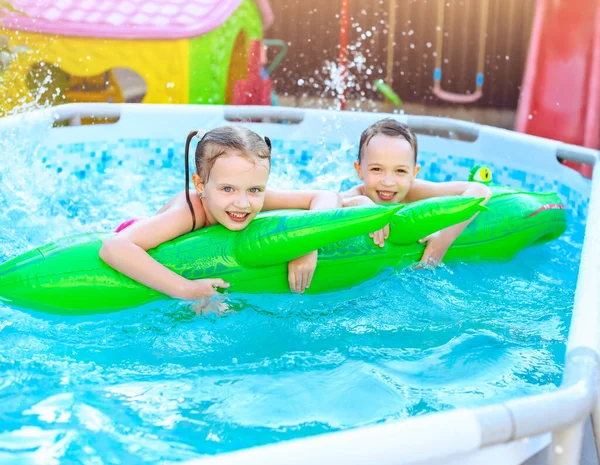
159, 383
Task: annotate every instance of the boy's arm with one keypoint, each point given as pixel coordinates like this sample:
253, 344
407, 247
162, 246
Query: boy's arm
439, 242
378, 236
426, 189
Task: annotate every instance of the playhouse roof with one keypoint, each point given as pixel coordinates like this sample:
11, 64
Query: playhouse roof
126, 19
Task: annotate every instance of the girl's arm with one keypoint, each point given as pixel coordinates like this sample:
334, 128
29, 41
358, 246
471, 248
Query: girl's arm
126, 253
356, 200
352, 192
301, 199
302, 269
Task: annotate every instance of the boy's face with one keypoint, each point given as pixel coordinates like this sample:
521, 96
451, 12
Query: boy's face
387, 168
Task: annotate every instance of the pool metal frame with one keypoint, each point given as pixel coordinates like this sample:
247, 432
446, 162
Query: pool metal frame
518, 427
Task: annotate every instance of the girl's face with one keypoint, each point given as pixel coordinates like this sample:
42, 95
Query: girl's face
235, 191
387, 168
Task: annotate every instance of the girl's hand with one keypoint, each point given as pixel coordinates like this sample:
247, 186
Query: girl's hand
206, 306
198, 288
301, 270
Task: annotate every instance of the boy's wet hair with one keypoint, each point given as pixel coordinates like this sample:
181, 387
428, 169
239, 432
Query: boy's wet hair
216, 143
388, 127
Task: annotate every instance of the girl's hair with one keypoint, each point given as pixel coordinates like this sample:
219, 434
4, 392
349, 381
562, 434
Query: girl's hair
387, 127
215, 144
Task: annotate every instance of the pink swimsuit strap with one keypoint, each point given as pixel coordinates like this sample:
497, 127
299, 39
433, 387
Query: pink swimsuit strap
126, 224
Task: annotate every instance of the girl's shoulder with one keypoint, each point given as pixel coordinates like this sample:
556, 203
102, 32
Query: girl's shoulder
180, 204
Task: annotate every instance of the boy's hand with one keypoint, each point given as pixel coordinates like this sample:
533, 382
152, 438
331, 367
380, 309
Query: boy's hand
438, 244
301, 270
380, 236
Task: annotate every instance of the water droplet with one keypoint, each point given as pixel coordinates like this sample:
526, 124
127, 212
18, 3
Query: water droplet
411, 32
300, 82
530, 116
507, 57
428, 44
412, 45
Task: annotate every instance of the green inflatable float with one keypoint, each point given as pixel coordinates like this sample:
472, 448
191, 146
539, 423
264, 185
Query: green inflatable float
68, 277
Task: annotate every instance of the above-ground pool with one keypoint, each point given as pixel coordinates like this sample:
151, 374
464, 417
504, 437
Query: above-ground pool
483, 343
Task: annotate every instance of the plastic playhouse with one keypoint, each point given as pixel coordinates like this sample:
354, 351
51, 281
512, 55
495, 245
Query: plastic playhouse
74, 50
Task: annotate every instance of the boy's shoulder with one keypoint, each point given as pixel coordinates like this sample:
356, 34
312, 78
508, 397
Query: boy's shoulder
417, 190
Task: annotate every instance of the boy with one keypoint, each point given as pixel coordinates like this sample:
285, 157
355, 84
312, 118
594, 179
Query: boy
387, 165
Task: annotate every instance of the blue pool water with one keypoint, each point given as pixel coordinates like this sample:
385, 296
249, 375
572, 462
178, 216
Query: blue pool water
161, 383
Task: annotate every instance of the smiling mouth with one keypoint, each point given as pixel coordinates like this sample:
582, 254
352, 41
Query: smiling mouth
238, 217
386, 195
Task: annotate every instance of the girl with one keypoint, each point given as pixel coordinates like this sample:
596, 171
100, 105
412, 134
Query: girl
232, 170
387, 165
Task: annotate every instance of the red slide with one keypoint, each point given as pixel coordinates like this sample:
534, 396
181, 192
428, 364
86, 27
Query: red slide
560, 95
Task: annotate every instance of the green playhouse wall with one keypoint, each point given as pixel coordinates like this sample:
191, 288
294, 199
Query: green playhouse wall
210, 54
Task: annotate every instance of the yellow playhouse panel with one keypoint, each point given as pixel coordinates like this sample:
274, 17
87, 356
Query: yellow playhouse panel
163, 65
